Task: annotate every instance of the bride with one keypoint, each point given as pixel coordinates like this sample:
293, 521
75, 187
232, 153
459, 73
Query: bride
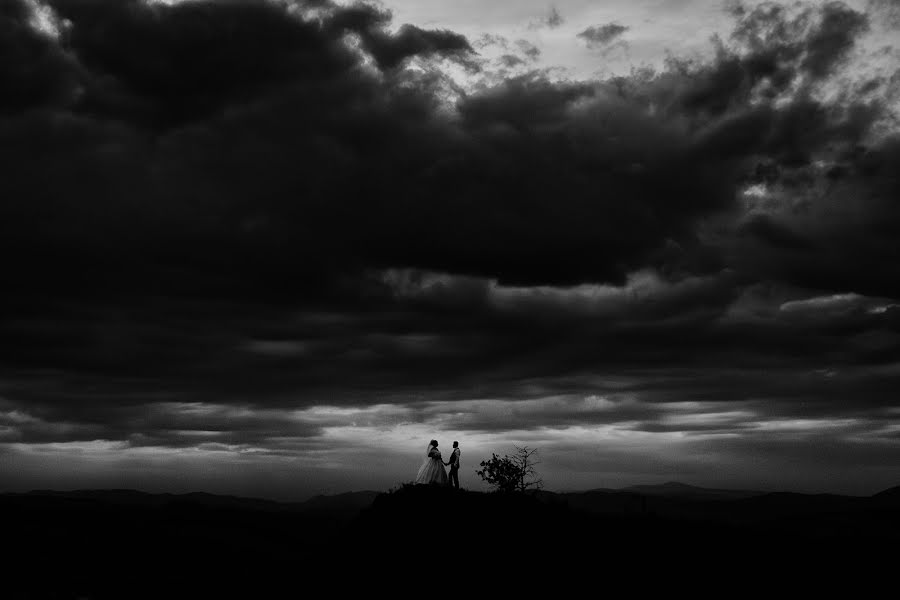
432, 470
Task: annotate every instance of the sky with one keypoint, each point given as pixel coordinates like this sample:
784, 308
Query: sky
272, 248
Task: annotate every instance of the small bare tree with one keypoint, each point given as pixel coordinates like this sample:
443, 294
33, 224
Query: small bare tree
512, 473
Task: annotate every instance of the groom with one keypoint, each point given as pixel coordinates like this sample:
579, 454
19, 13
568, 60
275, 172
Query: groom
454, 466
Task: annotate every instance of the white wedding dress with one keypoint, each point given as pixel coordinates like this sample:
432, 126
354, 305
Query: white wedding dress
432, 470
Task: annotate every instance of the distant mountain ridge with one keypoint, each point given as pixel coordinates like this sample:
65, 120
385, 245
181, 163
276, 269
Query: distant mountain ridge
889, 494
683, 490
343, 502
672, 498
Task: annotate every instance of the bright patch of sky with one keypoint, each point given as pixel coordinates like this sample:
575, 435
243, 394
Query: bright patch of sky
655, 29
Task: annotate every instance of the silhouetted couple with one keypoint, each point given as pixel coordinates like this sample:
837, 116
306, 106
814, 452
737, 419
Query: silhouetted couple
432, 470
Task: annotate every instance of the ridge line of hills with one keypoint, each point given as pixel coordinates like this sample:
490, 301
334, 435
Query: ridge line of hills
670, 489
672, 500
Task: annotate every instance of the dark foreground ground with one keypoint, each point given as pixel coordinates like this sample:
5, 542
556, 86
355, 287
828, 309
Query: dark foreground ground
421, 542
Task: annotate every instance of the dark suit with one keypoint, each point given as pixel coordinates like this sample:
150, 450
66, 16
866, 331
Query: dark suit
454, 468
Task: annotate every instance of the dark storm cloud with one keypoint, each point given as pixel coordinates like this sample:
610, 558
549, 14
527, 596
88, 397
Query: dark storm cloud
34, 70
844, 213
324, 166
164, 65
390, 50
773, 234
285, 205
774, 48
833, 39
599, 36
